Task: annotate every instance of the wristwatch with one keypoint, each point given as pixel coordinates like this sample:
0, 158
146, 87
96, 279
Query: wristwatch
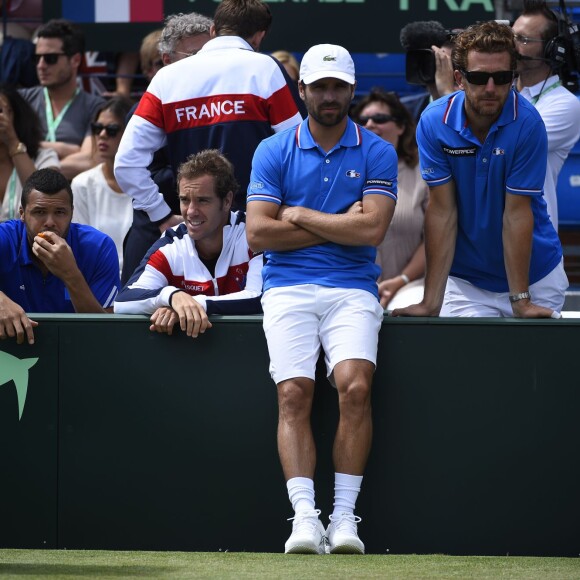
520, 296
20, 148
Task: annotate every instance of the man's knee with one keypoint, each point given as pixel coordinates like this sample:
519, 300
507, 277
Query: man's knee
356, 395
295, 397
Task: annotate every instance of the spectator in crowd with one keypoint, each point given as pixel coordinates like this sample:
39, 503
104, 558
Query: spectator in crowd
289, 62
65, 111
20, 149
538, 42
401, 255
491, 248
238, 97
50, 264
183, 35
204, 265
320, 199
149, 58
109, 74
99, 201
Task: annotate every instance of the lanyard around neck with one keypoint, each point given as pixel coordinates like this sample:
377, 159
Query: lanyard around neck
52, 123
12, 194
546, 90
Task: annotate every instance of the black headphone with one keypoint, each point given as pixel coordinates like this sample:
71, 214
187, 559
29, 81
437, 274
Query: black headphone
555, 48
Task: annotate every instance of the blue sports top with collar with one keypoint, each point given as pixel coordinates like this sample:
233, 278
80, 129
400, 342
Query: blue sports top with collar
512, 160
23, 282
290, 168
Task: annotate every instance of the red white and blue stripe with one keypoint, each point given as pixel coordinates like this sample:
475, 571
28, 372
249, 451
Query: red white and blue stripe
113, 10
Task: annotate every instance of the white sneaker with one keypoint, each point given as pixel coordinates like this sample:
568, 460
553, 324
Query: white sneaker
307, 534
342, 535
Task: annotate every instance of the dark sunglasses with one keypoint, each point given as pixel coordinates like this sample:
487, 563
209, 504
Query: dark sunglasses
379, 119
502, 77
111, 129
49, 57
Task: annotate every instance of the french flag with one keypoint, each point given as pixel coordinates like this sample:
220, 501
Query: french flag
113, 10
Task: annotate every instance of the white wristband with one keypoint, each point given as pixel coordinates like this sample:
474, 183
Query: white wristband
405, 278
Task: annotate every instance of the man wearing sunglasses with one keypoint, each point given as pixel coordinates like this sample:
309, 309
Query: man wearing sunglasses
541, 54
65, 111
491, 247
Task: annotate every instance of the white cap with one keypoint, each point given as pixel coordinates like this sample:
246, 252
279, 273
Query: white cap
327, 61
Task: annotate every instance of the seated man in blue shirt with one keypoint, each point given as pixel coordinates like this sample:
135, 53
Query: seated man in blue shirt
50, 264
202, 266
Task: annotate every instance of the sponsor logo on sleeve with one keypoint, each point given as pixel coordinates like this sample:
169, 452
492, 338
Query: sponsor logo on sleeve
379, 182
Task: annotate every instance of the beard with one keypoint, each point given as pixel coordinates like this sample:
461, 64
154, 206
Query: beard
324, 117
485, 109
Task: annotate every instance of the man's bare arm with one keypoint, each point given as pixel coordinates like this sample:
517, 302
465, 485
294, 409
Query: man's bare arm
440, 236
266, 232
353, 228
518, 227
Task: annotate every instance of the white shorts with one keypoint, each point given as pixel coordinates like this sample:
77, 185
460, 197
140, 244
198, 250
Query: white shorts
299, 320
463, 299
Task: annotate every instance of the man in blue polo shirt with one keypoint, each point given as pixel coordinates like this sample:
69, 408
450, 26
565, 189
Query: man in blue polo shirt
491, 248
320, 199
50, 264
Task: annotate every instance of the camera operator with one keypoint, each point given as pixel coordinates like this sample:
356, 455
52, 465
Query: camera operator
428, 48
541, 46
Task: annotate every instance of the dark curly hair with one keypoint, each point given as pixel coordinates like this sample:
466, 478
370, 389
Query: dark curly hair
73, 38
489, 37
48, 181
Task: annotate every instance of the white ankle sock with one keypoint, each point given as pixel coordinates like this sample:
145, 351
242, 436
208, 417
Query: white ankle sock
301, 493
346, 490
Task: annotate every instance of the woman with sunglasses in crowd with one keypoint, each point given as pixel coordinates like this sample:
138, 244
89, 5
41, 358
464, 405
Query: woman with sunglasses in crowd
98, 199
20, 150
401, 255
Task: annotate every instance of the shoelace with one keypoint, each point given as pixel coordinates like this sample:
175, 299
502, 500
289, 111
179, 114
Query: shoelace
345, 521
304, 519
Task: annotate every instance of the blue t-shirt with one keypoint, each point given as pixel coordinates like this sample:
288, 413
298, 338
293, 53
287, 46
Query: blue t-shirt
289, 168
513, 160
23, 282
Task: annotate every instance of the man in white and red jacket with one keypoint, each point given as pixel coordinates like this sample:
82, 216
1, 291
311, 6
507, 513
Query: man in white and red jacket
203, 265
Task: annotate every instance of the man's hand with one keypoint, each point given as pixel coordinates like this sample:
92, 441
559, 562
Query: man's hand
444, 79
172, 221
193, 319
55, 254
416, 310
388, 289
163, 320
355, 208
288, 213
14, 322
527, 309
